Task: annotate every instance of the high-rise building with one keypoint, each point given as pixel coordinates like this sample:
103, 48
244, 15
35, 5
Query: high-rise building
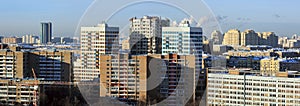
232, 37
95, 41
145, 34
125, 77
268, 38
228, 87
217, 37
186, 40
249, 37
46, 32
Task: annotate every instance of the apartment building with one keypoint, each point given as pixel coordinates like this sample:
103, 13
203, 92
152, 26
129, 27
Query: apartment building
12, 64
11, 40
186, 40
95, 41
236, 87
48, 65
145, 34
171, 78
271, 66
232, 37
17, 91
51, 65
250, 37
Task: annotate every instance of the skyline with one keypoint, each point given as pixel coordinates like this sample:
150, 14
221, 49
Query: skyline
277, 16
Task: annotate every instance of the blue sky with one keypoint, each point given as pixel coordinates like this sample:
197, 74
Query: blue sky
20, 17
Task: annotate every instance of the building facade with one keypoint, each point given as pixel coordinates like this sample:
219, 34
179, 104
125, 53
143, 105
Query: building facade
250, 37
145, 34
23, 92
186, 40
46, 32
217, 37
232, 37
11, 40
95, 41
30, 39
171, 79
243, 87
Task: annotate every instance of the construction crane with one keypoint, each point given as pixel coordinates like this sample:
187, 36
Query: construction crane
35, 88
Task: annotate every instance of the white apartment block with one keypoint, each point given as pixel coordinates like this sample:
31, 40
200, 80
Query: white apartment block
145, 34
29, 39
95, 41
236, 88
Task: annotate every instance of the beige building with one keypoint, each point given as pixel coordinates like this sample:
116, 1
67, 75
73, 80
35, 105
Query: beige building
24, 92
250, 37
11, 40
126, 77
125, 44
232, 37
250, 53
269, 66
12, 64
48, 65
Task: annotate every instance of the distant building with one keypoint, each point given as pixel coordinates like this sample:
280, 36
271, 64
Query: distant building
11, 40
268, 38
246, 53
145, 34
56, 40
292, 43
232, 37
244, 62
30, 39
217, 37
250, 37
125, 44
46, 32
62, 40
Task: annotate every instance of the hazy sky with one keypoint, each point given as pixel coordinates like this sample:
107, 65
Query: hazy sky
20, 17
